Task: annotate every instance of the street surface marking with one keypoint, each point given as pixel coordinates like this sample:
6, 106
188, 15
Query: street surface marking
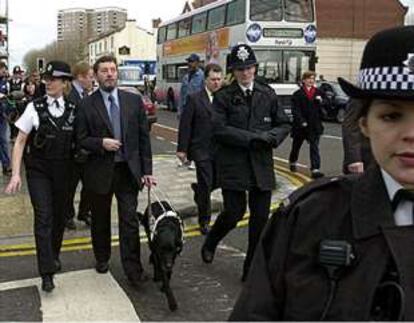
173, 143
332, 137
166, 127
82, 296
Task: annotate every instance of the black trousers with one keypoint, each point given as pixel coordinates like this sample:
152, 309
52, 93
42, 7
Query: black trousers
48, 183
205, 184
234, 209
125, 189
84, 204
297, 142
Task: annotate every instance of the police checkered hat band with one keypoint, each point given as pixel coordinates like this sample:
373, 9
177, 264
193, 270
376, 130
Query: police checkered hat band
386, 78
387, 67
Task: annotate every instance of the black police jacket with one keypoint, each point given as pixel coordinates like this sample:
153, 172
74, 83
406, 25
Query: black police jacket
286, 281
244, 136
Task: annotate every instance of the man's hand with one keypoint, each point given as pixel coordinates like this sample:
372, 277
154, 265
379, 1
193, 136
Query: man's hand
110, 144
149, 181
182, 156
304, 124
14, 185
356, 168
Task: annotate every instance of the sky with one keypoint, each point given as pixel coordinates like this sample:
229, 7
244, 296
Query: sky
34, 23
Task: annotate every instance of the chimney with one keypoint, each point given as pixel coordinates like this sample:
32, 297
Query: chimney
156, 23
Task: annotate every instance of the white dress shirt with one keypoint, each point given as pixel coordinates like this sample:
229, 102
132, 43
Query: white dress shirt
244, 89
30, 119
403, 215
209, 94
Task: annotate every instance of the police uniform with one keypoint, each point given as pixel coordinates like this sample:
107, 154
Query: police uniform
48, 161
16, 83
339, 249
247, 125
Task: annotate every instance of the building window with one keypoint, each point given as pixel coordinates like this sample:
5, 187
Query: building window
161, 34
112, 42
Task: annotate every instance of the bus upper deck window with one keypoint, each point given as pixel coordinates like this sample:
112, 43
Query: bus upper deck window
299, 10
265, 10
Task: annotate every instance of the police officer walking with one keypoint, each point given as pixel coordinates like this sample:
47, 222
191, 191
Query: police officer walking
247, 125
45, 142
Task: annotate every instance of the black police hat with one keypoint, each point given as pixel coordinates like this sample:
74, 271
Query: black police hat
17, 69
58, 69
387, 67
193, 58
242, 56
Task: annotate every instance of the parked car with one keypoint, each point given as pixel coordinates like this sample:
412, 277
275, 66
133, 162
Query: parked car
335, 101
149, 106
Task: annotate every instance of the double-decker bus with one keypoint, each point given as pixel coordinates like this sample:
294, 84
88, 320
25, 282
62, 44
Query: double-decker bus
281, 32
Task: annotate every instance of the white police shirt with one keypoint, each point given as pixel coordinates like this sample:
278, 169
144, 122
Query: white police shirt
403, 215
30, 119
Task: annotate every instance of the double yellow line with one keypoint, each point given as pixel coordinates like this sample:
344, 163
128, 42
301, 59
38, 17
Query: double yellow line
29, 249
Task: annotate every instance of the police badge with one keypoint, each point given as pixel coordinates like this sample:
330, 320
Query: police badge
243, 53
409, 62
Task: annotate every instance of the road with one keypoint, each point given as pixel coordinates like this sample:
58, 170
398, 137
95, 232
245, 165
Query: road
204, 292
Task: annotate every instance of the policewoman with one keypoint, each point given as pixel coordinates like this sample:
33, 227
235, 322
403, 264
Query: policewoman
45, 143
340, 249
247, 125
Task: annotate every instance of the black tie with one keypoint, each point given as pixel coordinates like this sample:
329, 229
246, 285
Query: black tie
248, 94
56, 102
403, 195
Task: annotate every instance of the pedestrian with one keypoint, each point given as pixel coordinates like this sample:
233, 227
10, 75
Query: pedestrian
339, 249
82, 83
4, 140
171, 106
195, 141
29, 90
40, 86
113, 127
357, 151
45, 142
247, 125
192, 82
307, 123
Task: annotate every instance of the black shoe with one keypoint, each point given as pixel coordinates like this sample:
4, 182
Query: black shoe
136, 280
102, 267
86, 217
58, 265
194, 187
70, 224
207, 255
317, 174
293, 168
204, 228
47, 283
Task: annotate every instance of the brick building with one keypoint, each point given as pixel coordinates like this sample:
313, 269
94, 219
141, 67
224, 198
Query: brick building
344, 26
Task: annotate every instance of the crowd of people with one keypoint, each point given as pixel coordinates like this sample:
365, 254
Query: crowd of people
336, 249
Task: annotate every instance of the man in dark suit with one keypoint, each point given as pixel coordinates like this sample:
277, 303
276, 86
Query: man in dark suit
112, 126
81, 85
194, 141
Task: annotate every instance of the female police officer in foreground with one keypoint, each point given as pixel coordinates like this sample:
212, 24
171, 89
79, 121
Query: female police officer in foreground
341, 248
45, 140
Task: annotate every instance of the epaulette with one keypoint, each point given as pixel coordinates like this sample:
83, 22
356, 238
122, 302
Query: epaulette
262, 81
300, 194
40, 104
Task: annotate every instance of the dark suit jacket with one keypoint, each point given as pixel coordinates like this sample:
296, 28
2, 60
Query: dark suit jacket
74, 96
305, 110
93, 124
195, 130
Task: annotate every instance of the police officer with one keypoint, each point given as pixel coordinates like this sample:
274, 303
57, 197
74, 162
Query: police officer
45, 141
16, 80
247, 125
339, 249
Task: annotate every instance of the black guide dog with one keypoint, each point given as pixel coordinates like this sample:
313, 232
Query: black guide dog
165, 240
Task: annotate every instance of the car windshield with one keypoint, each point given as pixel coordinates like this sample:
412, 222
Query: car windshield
338, 90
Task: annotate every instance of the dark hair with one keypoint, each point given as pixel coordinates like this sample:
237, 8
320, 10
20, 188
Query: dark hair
3, 65
104, 59
365, 104
308, 74
212, 68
